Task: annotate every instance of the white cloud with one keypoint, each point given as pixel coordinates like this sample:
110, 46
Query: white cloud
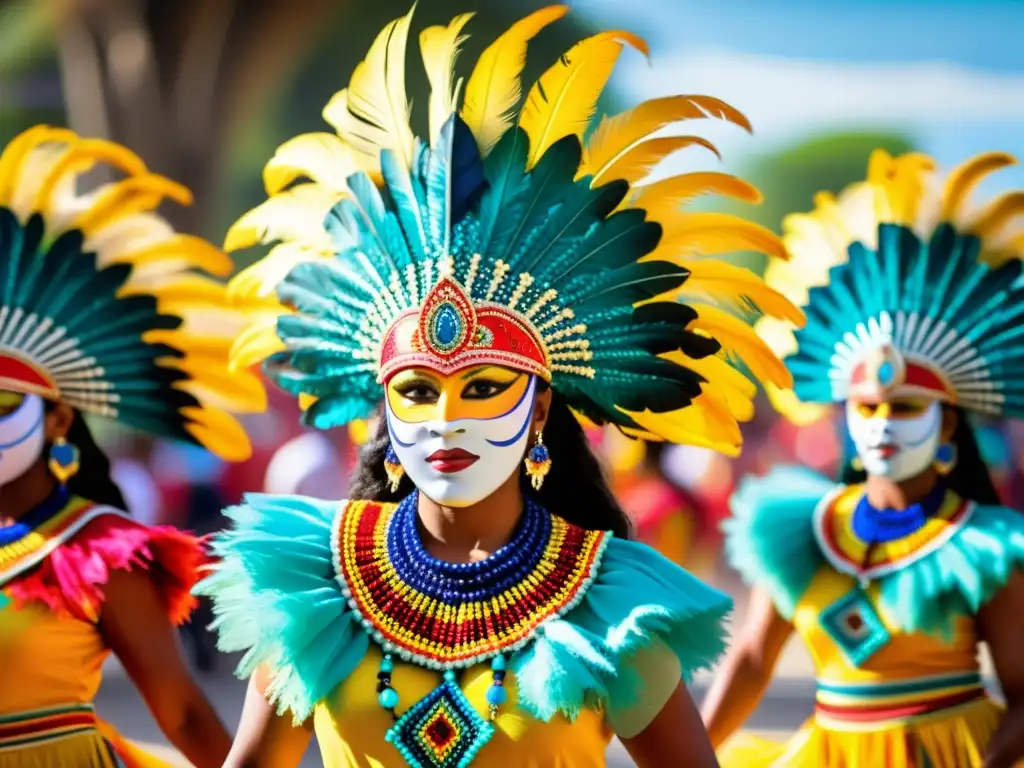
787, 98
774, 90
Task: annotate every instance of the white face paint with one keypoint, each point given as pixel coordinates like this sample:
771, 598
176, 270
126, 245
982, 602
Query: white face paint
894, 446
460, 462
22, 438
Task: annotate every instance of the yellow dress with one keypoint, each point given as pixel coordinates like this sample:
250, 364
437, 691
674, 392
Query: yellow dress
890, 629
591, 641
51, 649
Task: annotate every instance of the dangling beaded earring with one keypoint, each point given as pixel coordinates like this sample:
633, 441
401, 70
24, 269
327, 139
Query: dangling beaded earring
538, 462
945, 458
394, 469
63, 463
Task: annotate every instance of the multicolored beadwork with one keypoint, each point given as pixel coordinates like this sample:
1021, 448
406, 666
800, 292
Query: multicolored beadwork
393, 468
538, 463
453, 615
441, 730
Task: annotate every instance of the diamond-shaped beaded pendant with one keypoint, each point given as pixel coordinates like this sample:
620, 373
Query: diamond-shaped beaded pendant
855, 626
441, 730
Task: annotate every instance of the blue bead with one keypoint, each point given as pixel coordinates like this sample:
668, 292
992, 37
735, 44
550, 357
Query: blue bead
539, 453
496, 695
498, 663
945, 453
449, 675
886, 374
387, 665
388, 698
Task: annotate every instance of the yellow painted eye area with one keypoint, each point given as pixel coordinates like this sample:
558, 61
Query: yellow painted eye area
10, 401
418, 395
900, 408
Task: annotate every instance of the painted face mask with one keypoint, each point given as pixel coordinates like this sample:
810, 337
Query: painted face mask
460, 437
22, 434
898, 439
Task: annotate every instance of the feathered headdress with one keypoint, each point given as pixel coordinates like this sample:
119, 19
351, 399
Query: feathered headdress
908, 290
510, 240
104, 306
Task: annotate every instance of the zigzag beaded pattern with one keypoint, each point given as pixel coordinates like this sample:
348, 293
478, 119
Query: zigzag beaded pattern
446, 615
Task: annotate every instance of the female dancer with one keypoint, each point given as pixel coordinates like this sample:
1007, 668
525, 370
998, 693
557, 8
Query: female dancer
460, 610
893, 577
98, 311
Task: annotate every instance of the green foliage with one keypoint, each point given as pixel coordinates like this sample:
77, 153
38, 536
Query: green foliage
827, 162
26, 35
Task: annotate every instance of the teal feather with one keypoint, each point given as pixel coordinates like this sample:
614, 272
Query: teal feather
505, 171
407, 203
60, 283
769, 539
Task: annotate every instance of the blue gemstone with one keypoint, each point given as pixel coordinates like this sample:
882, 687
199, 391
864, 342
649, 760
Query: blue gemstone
945, 453
65, 454
854, 625
886, 373
387, 665
498, 663
447, 324
496, 695
388, 698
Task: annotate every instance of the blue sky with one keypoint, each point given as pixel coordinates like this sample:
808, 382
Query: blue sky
949, 73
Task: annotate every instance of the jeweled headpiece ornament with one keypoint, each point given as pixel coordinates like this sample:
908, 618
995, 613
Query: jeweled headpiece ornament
104, 306
508, 240
908, 289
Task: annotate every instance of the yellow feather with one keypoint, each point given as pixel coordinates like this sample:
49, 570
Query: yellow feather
132, 195
796, 411
81, 156
261, 279
373, 112
306, 402
214, 385
739, 339
181, 251
990, 222
636, 163
320, 157
182, 288
255, 344
663, 199
219, 432
964, 178
440, 48
701, 423
563, 101
14, 154
720, 281
737, 389
618, 135
712, 234
295, 214
493, 89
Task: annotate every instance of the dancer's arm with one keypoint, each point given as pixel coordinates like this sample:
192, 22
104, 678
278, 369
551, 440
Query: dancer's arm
135, 627
747, 668
1000, 623
266, 739
676, 736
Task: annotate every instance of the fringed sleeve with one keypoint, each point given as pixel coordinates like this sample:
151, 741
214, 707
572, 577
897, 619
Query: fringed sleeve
770, 537
643, 626
71, 579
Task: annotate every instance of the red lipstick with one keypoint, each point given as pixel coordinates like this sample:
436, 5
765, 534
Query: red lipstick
451, 461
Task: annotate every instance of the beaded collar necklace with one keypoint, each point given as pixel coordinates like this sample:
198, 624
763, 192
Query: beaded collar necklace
451, 616
880, 526
19, 529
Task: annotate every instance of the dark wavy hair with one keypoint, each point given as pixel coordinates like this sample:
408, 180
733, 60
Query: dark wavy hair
970, 478
93, 480
575, 490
